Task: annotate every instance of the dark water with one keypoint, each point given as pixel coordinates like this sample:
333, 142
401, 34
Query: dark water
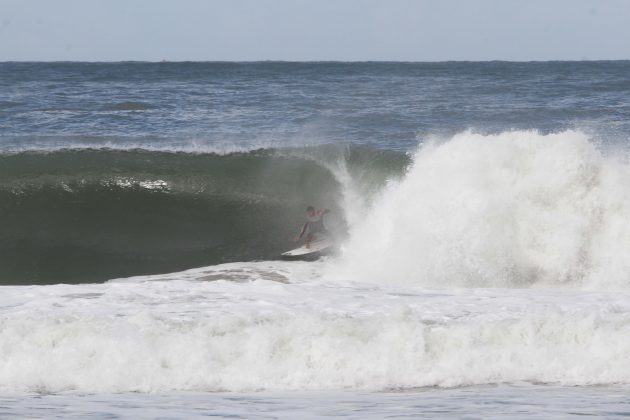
111, 170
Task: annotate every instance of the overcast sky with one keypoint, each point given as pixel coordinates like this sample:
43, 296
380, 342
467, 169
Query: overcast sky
347, 30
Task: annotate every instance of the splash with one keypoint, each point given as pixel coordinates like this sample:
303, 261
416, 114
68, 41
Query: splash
516, 209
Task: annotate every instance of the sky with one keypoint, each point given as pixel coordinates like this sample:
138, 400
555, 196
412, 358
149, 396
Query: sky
314, 30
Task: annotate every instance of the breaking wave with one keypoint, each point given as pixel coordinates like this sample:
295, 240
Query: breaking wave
90, 215
516, 209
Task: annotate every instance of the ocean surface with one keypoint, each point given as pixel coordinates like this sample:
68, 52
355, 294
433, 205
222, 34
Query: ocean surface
481, 213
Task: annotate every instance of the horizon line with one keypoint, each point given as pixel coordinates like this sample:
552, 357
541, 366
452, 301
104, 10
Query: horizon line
164, 61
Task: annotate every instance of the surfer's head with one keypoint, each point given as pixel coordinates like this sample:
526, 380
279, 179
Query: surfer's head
310, 210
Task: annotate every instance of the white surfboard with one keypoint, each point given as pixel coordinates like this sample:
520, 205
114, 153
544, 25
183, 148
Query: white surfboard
316, 246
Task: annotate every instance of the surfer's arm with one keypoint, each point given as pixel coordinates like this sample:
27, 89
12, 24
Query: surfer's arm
297, 238
322, 212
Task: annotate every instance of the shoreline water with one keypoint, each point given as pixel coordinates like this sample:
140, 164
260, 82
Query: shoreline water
502, 401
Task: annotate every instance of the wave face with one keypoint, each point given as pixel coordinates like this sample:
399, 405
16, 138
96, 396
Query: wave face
516, 209
91, 215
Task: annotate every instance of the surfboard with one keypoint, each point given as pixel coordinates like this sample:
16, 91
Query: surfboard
316, 247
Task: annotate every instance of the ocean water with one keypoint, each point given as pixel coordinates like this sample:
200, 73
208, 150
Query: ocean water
481, 212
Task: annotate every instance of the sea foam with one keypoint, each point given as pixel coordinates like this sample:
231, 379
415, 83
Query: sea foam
514, 209
174, 334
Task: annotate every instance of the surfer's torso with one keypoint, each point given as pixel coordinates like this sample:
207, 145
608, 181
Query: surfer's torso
315, 224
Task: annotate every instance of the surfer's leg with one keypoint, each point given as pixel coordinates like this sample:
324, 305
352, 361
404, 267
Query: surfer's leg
309, 238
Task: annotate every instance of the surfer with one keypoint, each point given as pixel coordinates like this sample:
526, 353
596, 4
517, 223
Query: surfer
314, 225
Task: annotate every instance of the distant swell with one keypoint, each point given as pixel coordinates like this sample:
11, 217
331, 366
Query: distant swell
128, 106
